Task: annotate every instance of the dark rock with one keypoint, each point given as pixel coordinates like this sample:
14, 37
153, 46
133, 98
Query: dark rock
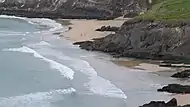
165, 65
176, 88
108, 28
155, 104
175, 65
86, 44
69, 28
182, 74
171, 103
176, 62
131, 15
72, 9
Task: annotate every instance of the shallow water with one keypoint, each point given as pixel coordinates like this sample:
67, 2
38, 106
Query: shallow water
38, 69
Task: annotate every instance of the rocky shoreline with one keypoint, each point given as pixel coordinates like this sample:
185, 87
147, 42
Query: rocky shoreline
171, 103
108, 29
136, 38
145, 40
148, 39
176, 88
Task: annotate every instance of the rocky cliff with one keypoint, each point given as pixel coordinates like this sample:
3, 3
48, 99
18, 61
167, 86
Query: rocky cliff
146, 39
163, 32
98, 9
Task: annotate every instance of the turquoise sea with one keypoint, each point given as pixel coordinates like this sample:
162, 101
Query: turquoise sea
39, 69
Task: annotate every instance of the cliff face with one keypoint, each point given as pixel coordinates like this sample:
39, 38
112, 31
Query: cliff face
72, 8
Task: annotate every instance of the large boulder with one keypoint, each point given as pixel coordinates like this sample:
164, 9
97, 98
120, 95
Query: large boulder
171, 103
108, 28
176, 88
182, 74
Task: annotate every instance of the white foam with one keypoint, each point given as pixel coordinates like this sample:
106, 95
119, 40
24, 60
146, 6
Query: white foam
23, 38
54, 26
14, 17
41, 43
97, 84
12, 33
46, 22
65, 71
39, 99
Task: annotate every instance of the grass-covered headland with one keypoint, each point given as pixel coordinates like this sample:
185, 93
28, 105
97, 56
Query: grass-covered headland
163, 10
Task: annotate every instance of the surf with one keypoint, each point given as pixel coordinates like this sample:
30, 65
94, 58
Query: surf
96, 84
52, 24
64, 70
37, 99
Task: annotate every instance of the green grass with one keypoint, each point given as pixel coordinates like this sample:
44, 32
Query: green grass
168, 10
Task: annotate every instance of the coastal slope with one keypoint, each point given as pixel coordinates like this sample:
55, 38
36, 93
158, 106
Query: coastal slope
161, 33
73, 9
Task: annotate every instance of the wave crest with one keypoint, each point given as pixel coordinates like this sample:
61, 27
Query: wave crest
65, 71
39, 99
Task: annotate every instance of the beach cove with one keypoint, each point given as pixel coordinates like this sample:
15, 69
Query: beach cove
84, 30
89, 53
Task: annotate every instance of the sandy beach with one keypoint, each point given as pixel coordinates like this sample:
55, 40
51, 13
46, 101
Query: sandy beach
82, 30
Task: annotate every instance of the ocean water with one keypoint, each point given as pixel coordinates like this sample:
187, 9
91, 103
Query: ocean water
39, 69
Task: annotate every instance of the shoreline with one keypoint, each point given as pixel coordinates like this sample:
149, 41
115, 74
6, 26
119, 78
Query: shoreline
84, 30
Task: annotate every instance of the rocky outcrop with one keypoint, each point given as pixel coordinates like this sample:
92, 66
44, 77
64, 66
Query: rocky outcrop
182, 74
171, 103
176, 88
108, 28
88, 9
178, 65
147, 40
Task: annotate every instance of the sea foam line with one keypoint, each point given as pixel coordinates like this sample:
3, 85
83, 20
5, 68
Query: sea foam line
54, 26
65, 71
41, 43
97, 84
37, 99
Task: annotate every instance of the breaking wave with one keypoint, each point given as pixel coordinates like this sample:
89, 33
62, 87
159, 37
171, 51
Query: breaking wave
64, 70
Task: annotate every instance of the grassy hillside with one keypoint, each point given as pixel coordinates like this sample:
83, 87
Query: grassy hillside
168, 10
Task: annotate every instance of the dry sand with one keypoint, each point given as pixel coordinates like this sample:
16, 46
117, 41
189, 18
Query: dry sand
183, 99
152, 67
83, 30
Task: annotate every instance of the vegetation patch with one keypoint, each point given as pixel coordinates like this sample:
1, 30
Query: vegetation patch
168, 10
